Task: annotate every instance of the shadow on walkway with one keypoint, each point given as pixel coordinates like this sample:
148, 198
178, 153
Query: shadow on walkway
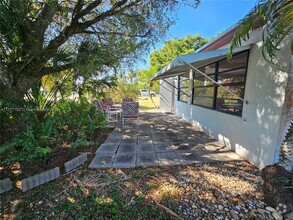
159, 139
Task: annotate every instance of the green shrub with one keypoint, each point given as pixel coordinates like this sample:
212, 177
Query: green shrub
77, 121
30, 144
29, 124
11, 119
71, 121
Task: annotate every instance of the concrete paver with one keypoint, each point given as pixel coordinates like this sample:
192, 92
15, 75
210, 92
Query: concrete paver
147, 159
159, 140
113, 140
145, 141
164, 147
107, 148
226, 156
183, 146
168, 159
145, 148
127, 148
102, 160
129, 141
125, 160
187, 158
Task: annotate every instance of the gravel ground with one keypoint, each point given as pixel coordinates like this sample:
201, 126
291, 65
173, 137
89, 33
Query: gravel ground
223, 191
228, 190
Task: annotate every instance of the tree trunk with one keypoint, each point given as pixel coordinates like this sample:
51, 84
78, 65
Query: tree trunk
12, 90
13, 85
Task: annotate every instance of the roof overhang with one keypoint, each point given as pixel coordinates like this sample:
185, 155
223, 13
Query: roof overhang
178, 66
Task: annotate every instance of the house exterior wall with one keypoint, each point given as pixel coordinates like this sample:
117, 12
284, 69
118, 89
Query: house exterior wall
254, 135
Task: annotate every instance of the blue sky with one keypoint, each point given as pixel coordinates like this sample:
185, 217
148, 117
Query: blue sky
208, 19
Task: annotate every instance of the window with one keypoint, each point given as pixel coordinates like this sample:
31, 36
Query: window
183, 85
203, 88
230, 75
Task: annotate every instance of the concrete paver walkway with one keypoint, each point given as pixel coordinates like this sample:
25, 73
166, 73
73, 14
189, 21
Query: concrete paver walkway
159, 139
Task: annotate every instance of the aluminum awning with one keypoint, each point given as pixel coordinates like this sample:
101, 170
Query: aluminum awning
182, 63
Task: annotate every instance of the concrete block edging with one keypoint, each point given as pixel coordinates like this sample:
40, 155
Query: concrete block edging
5, 185
39, 179
44, 177
75, 162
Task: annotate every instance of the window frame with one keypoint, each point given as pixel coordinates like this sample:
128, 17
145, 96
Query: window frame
183, 87
215, 86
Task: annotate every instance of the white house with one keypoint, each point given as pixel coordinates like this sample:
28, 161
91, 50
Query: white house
245, 104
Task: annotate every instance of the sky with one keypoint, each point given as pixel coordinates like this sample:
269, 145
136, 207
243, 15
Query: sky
209, 19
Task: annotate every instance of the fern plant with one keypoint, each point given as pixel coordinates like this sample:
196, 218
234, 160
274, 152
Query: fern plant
77, 121
28, 145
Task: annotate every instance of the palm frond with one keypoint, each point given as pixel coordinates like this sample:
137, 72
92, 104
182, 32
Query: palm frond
278, 17
10, 31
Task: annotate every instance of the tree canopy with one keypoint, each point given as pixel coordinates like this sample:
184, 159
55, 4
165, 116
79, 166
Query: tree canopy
175, 47
43, 37
170, 50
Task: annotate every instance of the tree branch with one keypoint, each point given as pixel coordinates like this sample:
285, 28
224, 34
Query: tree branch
88, 9
53, 69
43, 21
77, 11
74, 28
117, 33
112, 11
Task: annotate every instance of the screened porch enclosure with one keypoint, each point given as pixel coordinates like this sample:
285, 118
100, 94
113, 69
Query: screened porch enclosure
216, 83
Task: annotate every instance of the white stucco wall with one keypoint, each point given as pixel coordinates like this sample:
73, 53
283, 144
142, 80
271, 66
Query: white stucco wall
255, 134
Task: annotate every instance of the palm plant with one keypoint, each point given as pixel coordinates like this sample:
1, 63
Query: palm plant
43, 100
278, 17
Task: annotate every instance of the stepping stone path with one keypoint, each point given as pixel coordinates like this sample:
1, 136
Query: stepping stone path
159, 139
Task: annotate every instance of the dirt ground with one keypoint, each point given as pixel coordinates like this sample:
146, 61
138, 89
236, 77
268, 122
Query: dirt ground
180, 192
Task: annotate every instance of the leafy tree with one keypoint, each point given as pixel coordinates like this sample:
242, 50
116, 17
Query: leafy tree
277, 15
173, 48
125, 88
144, 78
44, 37
95, 86
164, 55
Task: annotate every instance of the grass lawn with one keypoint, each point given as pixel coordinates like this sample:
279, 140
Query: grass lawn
148, 103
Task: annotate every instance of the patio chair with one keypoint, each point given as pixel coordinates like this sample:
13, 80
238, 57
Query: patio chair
113, 106
127, 100
106, 109
104, 101
129, 111
110, 101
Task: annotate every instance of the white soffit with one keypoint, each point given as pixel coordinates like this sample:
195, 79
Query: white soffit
177, 66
